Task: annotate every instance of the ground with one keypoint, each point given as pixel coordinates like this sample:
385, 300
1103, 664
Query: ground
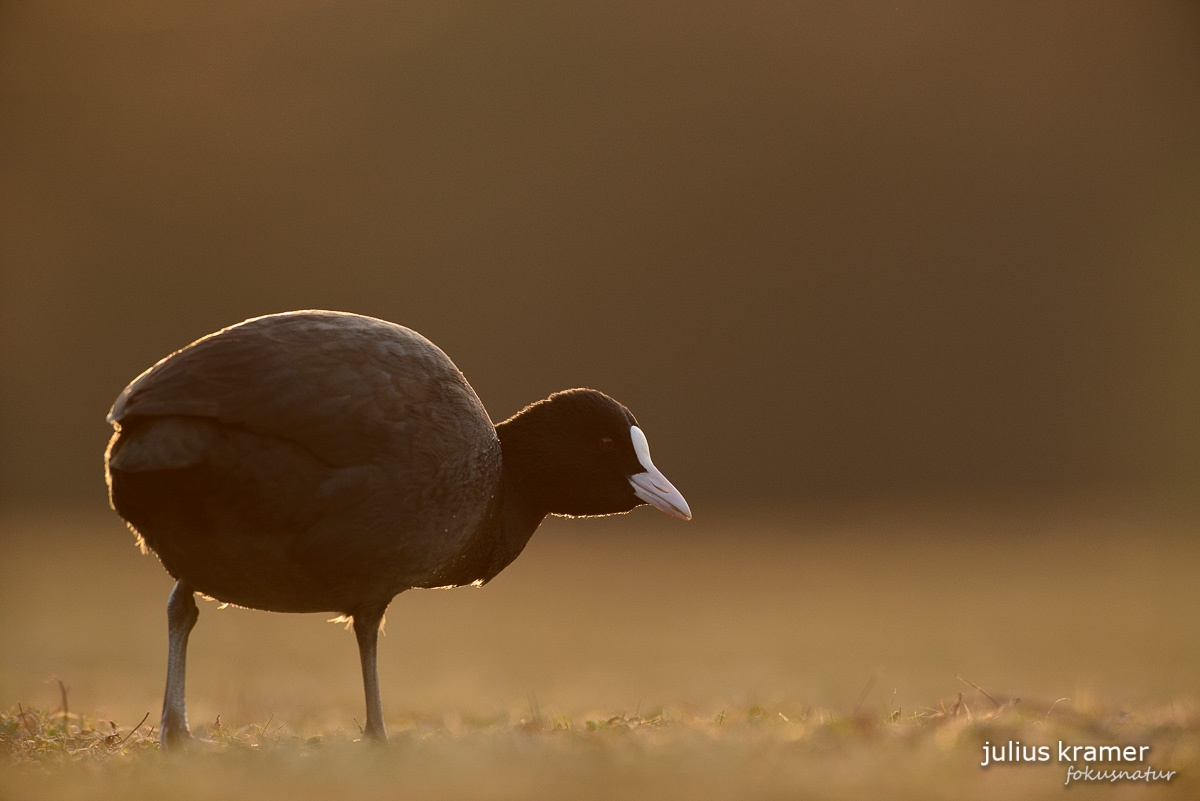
854, 653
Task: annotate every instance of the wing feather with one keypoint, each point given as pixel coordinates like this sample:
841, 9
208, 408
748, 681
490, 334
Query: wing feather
345, 387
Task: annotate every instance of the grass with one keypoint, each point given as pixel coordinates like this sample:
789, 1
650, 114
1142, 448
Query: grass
842, 656
752, 751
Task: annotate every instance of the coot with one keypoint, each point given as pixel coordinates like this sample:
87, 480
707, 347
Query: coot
321, 461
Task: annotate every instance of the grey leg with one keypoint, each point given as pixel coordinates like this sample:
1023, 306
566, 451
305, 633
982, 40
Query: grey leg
366, 631
181, 616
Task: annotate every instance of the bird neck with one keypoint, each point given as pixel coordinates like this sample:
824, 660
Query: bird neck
513, 514
516, 513
524, 502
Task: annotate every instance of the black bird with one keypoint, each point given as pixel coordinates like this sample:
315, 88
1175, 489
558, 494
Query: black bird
319, 461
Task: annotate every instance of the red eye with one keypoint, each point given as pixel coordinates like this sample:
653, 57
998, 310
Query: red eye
607, 444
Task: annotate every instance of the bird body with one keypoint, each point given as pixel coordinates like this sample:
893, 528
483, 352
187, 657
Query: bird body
324, 461
281, 447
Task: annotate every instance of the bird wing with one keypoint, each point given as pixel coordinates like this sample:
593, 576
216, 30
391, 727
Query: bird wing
345, 387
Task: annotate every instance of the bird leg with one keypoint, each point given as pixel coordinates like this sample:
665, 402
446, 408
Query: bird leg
181, 617
366, 631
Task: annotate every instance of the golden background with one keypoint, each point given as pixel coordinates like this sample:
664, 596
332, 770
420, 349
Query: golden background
906, 296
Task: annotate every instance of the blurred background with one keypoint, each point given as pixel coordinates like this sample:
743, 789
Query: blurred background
820, 249
836, 257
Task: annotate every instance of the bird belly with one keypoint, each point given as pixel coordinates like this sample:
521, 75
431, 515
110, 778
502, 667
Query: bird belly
262, 523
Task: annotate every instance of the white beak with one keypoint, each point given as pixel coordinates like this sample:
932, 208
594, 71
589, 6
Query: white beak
651, 485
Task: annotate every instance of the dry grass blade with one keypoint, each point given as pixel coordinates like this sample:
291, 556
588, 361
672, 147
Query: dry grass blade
135, 728
866, 690
978, 689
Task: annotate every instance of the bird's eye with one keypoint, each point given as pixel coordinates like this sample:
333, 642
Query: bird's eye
607, 444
